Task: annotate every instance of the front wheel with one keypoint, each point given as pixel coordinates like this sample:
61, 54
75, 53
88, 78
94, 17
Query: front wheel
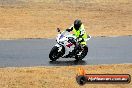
54, 54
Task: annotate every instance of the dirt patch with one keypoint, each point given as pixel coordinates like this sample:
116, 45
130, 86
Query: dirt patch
40, 18
58, 77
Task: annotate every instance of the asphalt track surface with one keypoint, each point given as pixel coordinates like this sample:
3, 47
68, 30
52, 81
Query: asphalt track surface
35, 52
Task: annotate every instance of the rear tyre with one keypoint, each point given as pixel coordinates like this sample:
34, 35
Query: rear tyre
83, 53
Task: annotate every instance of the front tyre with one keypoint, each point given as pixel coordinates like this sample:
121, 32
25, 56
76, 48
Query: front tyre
54, 54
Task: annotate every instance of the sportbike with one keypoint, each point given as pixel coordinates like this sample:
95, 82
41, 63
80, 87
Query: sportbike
65, 44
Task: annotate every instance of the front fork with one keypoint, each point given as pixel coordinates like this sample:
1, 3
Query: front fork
61, 50
59, 47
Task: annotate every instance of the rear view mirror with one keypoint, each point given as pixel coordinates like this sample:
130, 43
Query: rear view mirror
58, 29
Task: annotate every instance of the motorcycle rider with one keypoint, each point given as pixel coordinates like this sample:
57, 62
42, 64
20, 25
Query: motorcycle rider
79, 31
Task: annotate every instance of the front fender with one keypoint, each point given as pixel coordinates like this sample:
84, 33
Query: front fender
58, 45
61, 48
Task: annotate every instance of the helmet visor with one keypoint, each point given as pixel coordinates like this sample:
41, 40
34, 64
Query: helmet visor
76, 26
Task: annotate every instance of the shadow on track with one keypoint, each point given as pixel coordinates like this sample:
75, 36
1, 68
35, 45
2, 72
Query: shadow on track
67, 63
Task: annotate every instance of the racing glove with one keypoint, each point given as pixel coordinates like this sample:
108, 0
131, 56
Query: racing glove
79, 39
69, 29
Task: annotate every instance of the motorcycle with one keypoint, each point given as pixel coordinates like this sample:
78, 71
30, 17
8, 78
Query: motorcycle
65, 45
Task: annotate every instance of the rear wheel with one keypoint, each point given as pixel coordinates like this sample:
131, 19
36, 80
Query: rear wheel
82, 53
